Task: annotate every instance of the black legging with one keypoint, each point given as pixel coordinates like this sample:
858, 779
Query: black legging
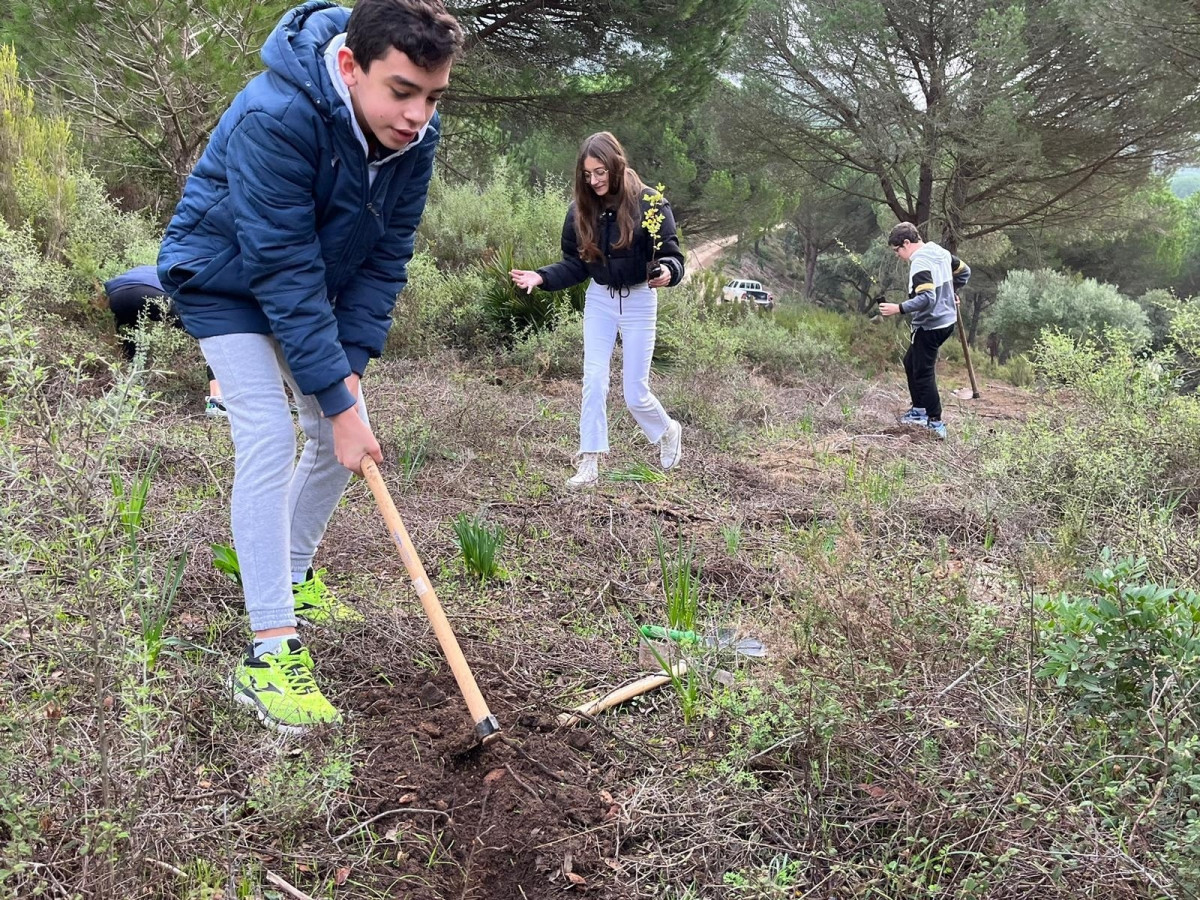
920, 364
127, 304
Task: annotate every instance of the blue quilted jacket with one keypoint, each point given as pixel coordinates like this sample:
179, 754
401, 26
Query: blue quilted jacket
279, 230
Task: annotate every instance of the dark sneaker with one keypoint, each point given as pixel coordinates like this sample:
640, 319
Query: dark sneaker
915, 416
316, 604
280, 688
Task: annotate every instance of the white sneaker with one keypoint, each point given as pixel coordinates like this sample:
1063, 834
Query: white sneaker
670, 446
589, 471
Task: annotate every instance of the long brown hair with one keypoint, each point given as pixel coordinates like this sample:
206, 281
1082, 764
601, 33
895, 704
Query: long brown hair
624, 191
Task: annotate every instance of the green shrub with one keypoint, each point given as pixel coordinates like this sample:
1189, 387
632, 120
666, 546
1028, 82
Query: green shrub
43, 183
1160, 307
439, 309
1115, 450
1185, 340
35, 335
785, 355
553, 352
1126, 651
1123, 646
464, 225
692, 335
1020, 371
1027, 303
511, 310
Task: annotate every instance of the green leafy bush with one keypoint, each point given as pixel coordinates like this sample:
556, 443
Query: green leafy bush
555, 352
438, 309
1185, 340
1123, 646
464, 224
511, 310
1161, 307
785, 355
1111, 458
692, 335
1028, 303
37, 306
43, 184
1126, 651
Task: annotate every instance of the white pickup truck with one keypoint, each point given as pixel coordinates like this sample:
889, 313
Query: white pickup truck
741, 290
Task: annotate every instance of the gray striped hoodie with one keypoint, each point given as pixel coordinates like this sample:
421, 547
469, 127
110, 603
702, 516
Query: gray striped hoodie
935, 275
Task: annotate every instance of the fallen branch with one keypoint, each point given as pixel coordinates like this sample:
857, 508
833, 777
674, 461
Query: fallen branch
383, 815
288, 889
521, 781
957, 681
166, 867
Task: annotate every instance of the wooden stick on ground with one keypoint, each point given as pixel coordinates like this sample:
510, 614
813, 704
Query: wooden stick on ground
621, 694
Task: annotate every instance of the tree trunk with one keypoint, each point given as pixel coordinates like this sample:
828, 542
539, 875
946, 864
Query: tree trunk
810, 269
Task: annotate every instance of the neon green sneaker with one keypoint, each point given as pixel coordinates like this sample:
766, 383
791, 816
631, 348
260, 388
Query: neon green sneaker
316, 604
279, 687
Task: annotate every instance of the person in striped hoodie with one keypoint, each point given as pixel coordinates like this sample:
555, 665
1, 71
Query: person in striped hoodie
935, 276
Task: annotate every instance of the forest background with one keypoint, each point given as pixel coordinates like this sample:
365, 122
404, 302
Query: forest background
984, 662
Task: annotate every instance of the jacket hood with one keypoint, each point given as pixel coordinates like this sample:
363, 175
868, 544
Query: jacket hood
293, 50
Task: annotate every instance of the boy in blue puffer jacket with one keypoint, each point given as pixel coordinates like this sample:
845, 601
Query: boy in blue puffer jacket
284, 257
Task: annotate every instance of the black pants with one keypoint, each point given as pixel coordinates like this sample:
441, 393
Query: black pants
920, 363
128, 303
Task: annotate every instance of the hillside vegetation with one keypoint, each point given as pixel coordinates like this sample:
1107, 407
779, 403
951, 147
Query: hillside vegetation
983, 654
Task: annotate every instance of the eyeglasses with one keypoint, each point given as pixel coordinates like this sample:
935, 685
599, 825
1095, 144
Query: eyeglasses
591, 176
895, 249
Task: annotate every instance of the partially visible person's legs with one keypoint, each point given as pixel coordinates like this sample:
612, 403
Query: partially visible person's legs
600, 323
924, 352
639, 323
909, 374
275, 678
127, 304
916, 414
264, 442
318, 482
317, 485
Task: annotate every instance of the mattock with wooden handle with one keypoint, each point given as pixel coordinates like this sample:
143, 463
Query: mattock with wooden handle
486, 725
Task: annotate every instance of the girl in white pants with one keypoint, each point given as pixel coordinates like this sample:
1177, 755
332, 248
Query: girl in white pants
620, 234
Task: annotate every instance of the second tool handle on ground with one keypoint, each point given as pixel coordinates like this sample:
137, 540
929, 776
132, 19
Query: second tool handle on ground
485, 723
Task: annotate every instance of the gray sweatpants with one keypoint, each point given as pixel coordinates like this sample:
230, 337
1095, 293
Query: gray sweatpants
280, 507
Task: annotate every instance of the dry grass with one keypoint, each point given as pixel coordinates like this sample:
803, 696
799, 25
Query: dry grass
895, 744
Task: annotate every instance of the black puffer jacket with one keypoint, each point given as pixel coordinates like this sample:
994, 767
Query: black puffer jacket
619, 269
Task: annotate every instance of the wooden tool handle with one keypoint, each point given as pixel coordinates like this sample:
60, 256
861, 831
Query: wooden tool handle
621, 694
485, 723
962, 336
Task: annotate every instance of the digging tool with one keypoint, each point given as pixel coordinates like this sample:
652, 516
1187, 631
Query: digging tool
620, 695
486, 725
722, 639
962, 336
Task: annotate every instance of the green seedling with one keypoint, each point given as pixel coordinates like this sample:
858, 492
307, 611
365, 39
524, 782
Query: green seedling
681, 584
479, 545
639, 472
225, 561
